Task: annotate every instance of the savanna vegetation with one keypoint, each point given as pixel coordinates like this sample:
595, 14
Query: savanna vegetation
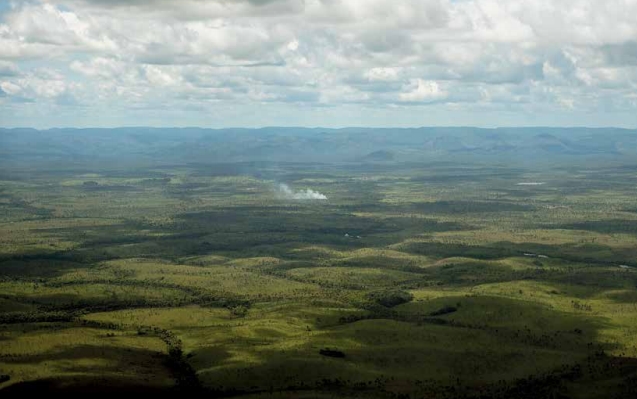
411, 280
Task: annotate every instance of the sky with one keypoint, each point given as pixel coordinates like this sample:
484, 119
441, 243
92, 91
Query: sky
329, 63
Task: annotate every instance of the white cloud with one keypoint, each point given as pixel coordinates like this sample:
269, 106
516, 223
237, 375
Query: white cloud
160, 76
100, 67
10, 88
293, 45
422, 90
317, 53
382, 74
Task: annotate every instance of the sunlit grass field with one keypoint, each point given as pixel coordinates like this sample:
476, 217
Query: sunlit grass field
401, 284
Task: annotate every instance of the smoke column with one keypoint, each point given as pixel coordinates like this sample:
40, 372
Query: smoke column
286, 192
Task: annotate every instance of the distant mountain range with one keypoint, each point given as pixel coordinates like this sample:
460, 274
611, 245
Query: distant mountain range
366, 145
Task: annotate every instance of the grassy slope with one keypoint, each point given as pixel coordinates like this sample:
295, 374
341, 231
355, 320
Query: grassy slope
215, 283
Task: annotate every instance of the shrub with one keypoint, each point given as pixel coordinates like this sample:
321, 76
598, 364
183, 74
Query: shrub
390, 298
239, 310
443, 311
331, 353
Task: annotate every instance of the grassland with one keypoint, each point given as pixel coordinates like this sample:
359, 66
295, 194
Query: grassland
410, 281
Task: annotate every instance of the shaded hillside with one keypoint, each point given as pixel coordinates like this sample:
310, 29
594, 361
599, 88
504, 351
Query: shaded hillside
379, 156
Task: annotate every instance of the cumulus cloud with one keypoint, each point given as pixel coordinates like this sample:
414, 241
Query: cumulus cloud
577, 55
286, 192
10, 88
382, 74
421, 90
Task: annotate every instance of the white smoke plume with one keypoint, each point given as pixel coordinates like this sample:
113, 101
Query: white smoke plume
286, 192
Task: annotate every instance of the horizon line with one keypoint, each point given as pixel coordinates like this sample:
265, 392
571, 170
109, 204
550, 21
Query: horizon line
317, 127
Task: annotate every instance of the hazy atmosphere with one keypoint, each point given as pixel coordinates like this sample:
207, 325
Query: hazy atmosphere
318, 199
222, 63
